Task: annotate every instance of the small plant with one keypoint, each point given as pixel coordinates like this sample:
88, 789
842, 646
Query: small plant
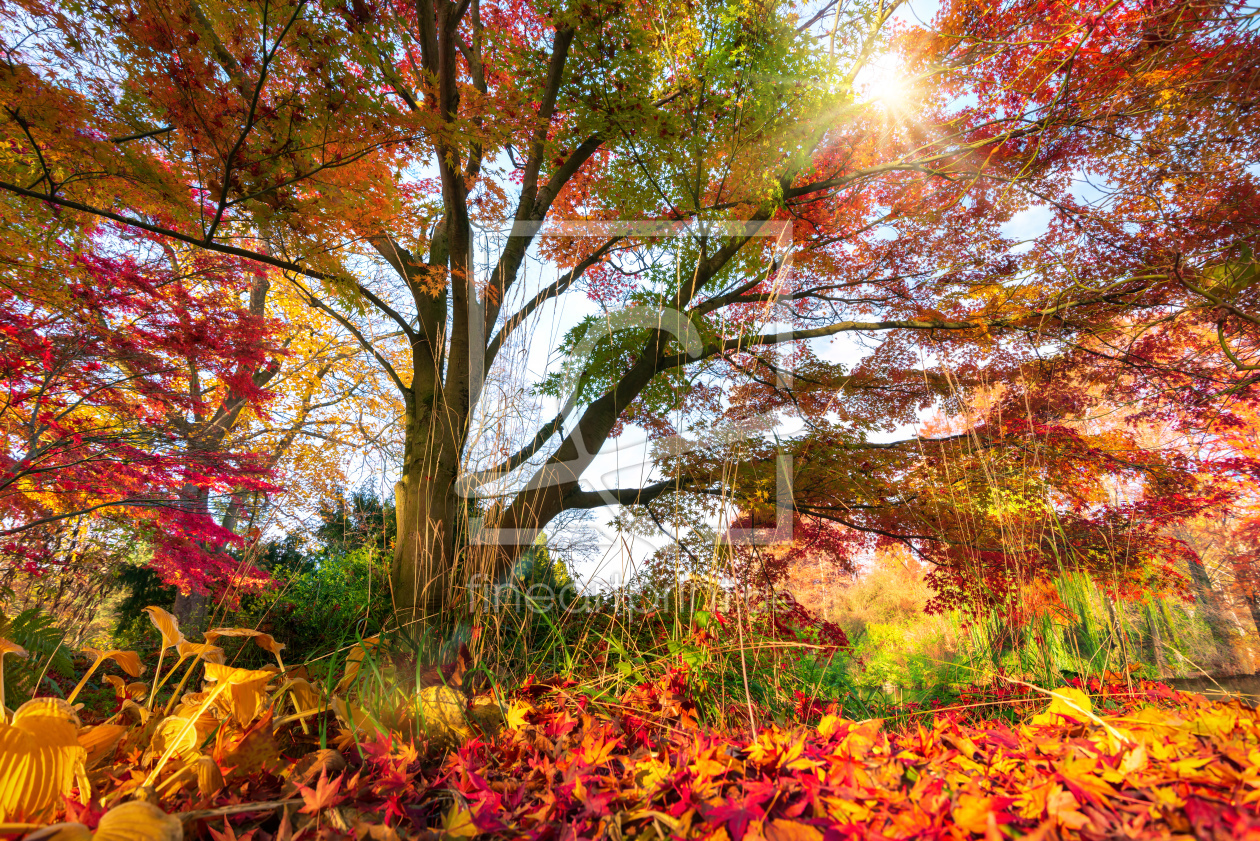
46, 653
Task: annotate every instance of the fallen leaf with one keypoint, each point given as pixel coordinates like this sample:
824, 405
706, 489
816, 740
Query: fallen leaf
138, 821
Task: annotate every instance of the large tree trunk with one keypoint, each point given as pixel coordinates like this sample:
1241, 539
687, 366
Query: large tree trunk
1214, 616
191, 611
422, 575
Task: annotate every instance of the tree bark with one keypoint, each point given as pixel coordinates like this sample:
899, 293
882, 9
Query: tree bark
1214, 616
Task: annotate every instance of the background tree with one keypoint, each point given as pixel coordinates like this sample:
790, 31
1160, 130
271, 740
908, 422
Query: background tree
360, 149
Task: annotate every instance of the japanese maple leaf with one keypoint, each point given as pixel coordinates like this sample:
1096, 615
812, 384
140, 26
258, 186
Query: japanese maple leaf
737, 816
323, 796
394, 808
229, 834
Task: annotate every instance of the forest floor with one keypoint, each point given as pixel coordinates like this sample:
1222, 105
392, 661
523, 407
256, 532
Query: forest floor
551, 761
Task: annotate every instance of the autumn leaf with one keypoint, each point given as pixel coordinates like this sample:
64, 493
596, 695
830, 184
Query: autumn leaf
323, 796
1067, 705
40, 758
100, 741
781, 829
138, 821
458, 823
206, 651
167, 624
246, 692
256, 749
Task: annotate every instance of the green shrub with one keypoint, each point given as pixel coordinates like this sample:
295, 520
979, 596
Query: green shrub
46, 653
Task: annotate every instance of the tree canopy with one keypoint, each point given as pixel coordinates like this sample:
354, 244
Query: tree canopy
1024, 213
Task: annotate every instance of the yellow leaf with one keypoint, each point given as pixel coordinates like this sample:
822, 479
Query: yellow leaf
972, 812
209, 777
458, 823
204, 650
305, 696
1134, 761
136, 691
353, 716
1062, 805
7, 647
1067, 705
781, 829
442, 715
516, 714
40, 758
354, 661
268, 643
179, 734
256, 750
138, 821
100, 741
846, 811
128, 661
167, 624
247, 691
264, 641
61, 832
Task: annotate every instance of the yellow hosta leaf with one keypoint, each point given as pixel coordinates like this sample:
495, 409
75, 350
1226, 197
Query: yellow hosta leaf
171, 730
133, 709
353, 716
100, 741
128, 661
41, 707
264, 641
214, 633
268, 643
486, 715
135, 691
40, 758
167, 624
354, 661
209, 777
305, 696
61, 832
9, 647
442, 714
138, 821
247, 692
179, 734
204, 650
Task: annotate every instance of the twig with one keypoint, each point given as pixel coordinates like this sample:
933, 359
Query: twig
240, 808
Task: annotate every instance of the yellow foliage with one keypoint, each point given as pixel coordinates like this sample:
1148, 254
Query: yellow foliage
1068, 705
40, 758
247, 690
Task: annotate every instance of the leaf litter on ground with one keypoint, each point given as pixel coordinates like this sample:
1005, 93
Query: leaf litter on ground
1123, 759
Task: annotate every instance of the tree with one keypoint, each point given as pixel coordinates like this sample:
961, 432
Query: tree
97, 370
136, 377
360, 149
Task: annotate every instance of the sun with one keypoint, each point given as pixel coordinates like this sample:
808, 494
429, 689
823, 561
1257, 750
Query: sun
886, 82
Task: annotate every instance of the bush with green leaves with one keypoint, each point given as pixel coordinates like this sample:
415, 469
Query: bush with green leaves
320, 604
46, 653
